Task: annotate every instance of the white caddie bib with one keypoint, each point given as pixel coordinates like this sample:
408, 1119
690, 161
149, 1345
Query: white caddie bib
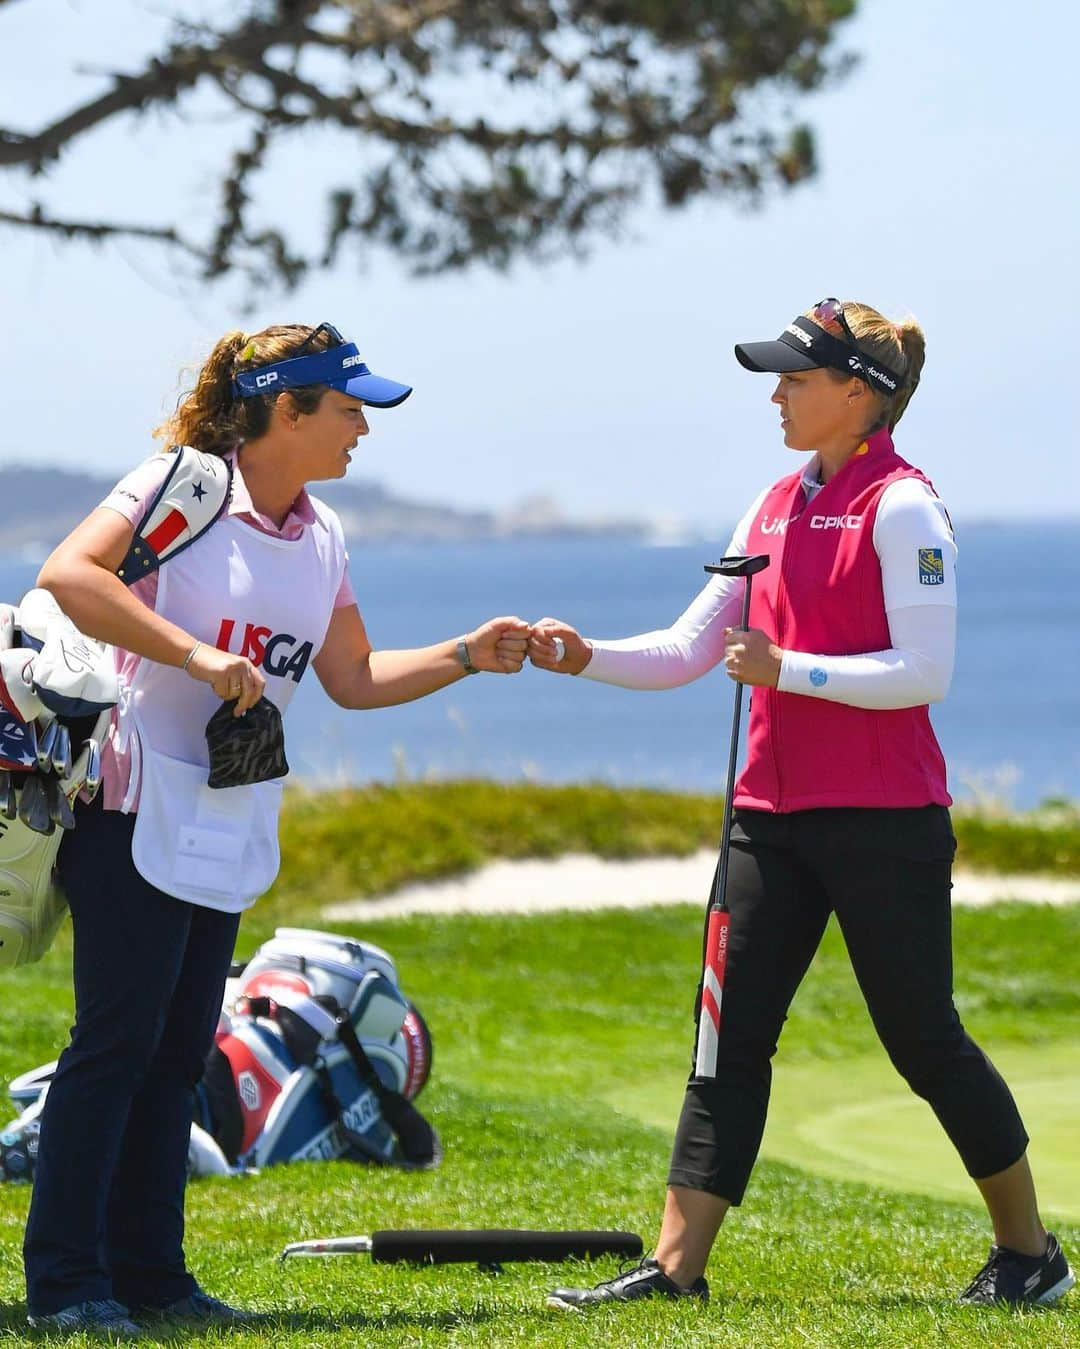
253, 594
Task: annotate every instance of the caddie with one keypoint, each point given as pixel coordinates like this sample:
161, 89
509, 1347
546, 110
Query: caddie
183, 836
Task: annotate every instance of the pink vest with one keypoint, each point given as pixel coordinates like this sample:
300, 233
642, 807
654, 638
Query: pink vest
822, 593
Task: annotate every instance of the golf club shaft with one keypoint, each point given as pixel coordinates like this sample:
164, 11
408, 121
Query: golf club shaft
718, 894
716, 930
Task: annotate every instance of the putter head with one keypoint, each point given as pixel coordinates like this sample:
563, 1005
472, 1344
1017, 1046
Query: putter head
739, 566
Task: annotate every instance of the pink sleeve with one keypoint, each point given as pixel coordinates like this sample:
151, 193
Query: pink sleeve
346, 595
132, 494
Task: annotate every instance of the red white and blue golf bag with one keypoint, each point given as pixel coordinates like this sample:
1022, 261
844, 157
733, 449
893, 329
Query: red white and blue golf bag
318, 1056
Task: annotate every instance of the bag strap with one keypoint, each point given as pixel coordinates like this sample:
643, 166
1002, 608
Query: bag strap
193, 497
420, 1144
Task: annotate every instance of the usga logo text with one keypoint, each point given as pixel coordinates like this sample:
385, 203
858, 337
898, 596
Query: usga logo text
835, 521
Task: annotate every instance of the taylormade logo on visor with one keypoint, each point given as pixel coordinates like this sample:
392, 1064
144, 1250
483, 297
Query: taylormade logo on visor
885, 379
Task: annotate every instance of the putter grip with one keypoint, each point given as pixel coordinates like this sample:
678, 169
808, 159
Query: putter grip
499, 1244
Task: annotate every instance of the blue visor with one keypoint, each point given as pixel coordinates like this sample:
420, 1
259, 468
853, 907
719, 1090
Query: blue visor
340, 368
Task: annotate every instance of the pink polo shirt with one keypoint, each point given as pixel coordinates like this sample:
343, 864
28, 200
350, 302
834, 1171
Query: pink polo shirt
130, 497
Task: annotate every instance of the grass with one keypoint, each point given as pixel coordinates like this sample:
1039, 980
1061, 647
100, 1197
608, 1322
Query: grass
559, 1045
366, 841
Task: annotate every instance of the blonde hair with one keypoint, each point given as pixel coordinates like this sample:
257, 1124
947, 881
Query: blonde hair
899, 346
211, 418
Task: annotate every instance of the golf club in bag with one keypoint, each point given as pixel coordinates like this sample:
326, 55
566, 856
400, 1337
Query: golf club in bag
718, 919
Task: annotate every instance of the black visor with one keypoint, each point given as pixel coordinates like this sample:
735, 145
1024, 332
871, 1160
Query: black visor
803, 345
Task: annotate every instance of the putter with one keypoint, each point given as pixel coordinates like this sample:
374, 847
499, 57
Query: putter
34, 805
719, 920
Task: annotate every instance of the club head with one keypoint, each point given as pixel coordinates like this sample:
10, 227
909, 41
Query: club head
61, 754
9, 798
60, 811
34, 805
739, 566
46, 741
93, 766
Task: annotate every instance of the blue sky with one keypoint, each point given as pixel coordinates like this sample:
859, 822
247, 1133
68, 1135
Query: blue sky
948, 189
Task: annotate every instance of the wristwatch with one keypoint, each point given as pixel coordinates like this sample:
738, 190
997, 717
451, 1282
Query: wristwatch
463, 657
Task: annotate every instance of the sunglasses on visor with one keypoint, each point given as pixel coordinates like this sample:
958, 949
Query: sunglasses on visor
873, 373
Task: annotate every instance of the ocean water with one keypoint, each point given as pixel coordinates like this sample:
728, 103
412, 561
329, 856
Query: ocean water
1010, 727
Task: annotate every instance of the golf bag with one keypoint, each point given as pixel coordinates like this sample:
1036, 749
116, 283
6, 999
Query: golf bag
57, 689
318, 1056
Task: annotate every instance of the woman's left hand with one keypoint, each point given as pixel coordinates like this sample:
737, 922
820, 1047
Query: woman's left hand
499, 646
752, 657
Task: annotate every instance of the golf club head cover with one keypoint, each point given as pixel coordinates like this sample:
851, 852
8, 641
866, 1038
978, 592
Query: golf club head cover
18, 744
245, 750
73, 675
16, 687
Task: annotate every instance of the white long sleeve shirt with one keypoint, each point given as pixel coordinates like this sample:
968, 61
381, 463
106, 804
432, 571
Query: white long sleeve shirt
916, 669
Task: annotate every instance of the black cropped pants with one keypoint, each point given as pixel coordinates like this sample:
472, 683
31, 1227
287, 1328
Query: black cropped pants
886, 875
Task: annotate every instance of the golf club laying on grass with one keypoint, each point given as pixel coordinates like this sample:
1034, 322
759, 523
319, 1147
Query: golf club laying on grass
487, 1248
716, 933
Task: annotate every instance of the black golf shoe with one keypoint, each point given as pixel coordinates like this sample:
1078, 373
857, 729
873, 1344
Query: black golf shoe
644, 1280
1021, 1280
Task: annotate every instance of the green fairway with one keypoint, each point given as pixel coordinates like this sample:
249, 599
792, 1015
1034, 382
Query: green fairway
560, 1042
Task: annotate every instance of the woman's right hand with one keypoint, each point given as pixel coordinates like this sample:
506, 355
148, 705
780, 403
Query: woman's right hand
228, 675
545, 655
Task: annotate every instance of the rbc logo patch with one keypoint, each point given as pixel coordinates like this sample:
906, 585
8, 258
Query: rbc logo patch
931, 567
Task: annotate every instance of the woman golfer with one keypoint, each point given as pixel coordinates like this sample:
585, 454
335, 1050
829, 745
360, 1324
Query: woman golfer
842, 806
237, 616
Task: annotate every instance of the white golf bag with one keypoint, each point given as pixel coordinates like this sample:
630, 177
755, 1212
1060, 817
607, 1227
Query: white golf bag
318, 1056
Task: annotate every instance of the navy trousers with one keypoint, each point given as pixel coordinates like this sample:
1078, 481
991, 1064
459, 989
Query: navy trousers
107, 1213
